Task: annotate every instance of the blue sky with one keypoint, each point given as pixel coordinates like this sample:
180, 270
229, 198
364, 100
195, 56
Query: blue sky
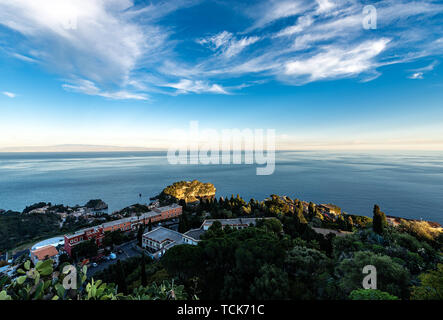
126, 73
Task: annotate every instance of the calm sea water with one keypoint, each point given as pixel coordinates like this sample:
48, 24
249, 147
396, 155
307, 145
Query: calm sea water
407, 184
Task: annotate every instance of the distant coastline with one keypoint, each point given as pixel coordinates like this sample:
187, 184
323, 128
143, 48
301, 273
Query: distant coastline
371, 148
75, 148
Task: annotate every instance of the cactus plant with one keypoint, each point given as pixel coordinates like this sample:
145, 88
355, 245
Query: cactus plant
43, 283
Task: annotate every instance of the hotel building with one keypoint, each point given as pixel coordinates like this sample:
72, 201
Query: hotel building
124, 225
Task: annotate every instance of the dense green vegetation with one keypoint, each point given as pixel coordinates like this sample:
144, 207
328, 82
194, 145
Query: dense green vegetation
274, 264
18, 228
85, 249
115, 238
431, 285
128, 273
284, 258
362, 294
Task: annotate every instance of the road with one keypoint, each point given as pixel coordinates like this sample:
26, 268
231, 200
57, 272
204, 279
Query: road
128, 252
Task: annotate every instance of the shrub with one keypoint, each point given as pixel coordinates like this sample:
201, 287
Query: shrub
369, 294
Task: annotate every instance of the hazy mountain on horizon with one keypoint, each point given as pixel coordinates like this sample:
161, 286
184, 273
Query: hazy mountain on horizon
75, 148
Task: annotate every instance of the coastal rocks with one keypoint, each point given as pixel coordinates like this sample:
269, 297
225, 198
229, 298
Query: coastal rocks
96, 205
189, 191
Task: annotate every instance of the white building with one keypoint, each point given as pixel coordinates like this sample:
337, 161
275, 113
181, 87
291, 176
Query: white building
159, 240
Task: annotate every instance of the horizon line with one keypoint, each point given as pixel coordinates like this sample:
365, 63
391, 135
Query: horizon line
71, 148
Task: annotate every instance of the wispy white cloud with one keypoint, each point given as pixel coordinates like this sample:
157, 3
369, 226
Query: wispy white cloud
328, 41
227, 44
336, 62
23, 58
196, 86
419, 72
416, 75
236, 46
216, 41
89, 88
324, 5
9, 94
154, 11
121, 49
87, 39
302, 23
273, 10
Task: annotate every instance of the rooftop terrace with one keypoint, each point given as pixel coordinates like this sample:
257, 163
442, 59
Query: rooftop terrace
161, 234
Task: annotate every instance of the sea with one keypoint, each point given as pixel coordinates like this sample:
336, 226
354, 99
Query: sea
405, 184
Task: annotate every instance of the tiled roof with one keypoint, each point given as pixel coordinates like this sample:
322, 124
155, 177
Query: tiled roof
43, 252
167, 208
82, 231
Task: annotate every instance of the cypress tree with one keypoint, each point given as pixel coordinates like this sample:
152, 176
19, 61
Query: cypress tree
379, 220
350, 223
300, 216
121, 279
139, 235
311, 209
181, 224
143, 271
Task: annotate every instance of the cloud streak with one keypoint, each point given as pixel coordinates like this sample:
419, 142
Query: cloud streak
226, 44
336, 62
196, 86
419, 72
89, 88
9, 94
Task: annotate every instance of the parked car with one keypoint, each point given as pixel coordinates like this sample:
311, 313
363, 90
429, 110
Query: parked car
94, 264
112, 256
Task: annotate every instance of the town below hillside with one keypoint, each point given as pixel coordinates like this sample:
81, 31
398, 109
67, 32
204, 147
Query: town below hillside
225, 247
